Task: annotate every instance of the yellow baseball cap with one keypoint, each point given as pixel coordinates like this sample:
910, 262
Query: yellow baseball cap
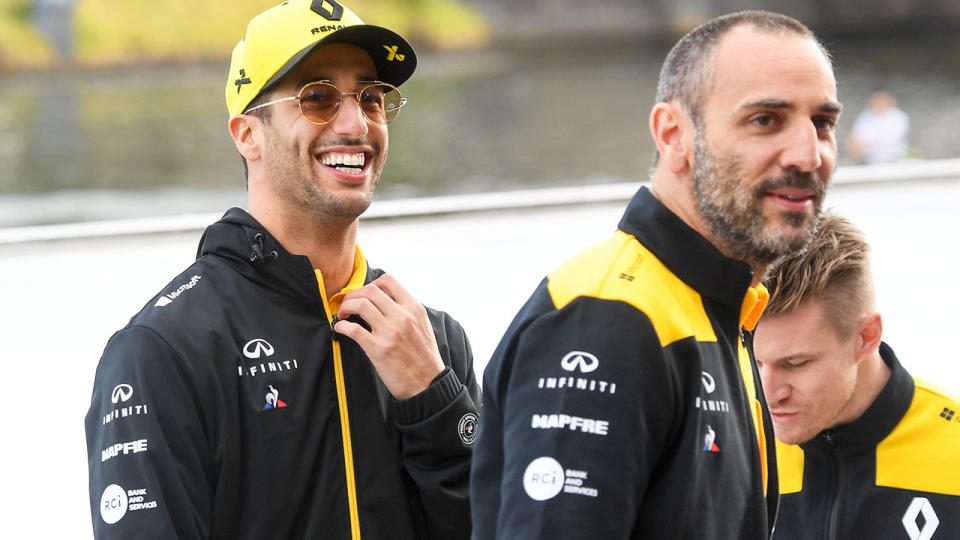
278, 39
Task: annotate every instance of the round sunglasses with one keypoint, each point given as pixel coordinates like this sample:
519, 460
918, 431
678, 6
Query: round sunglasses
320, 101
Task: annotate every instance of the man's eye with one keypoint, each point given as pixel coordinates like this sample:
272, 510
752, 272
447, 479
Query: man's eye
372, 95
763, 120
825, 123
317, 95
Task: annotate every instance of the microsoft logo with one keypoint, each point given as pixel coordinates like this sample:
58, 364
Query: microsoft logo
947, 413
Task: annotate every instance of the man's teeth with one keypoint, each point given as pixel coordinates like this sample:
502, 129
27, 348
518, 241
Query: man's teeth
343, 162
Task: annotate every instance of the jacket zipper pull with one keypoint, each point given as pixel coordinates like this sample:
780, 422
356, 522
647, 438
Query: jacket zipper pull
333, 333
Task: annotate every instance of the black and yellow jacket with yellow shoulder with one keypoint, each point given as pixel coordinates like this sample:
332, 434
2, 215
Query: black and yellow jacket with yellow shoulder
892, 473
621, 403
228, 409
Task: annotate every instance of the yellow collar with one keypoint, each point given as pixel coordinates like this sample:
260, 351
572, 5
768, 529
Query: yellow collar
357, 278
753, 304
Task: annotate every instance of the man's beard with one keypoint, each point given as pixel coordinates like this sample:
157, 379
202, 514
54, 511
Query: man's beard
734, 211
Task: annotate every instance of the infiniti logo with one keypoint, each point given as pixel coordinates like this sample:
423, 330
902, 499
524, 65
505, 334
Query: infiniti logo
121, 392
583, 361
708, 383
257, 347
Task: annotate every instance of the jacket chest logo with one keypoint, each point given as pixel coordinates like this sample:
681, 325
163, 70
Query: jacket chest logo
920, 506
263, 358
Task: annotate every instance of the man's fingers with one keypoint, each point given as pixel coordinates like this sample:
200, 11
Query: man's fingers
362, 306
392, 288
355, 332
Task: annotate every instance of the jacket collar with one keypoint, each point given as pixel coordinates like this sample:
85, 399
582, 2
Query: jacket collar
692, 257
878, 420
256, 254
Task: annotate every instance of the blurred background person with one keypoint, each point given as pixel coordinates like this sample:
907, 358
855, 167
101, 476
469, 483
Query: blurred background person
863, 447
880, 131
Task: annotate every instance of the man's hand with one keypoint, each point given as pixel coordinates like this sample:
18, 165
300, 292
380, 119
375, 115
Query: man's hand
400, 342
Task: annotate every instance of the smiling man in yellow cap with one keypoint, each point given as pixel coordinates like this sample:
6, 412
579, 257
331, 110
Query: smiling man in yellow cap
279, 387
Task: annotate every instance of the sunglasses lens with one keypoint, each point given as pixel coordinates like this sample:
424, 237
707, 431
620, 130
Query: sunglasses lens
319, 102
380, 103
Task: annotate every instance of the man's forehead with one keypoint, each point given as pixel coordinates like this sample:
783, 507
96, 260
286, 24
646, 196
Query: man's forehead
755, 64
745, 45
336, 61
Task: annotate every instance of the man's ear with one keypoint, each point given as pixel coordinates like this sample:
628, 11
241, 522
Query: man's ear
672, 131
869, 334
244, 128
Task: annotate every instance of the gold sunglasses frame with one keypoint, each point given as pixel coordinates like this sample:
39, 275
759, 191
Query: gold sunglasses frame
354, 95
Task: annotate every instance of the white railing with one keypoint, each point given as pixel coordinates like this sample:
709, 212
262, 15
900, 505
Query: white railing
945, 169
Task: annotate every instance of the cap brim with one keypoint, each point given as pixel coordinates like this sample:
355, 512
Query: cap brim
371, 38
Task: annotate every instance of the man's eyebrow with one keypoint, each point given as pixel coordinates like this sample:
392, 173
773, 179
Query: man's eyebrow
366, 78
832, 107
795, 356
829, 107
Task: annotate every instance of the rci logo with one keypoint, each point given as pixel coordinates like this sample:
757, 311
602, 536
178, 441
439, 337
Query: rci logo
121, 392
583, 361
113, 504
255, 348
543, 478
931, 521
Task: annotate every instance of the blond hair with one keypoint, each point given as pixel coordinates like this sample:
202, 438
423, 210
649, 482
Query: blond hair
834, 269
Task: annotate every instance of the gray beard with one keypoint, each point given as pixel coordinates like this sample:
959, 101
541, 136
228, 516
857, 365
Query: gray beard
735, 216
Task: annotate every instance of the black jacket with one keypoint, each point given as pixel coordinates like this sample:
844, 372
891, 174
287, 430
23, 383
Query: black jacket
621, 403
890, 474
216, 413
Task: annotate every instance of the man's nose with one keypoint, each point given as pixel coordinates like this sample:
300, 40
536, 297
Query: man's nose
803, 149
350, 119
775, 389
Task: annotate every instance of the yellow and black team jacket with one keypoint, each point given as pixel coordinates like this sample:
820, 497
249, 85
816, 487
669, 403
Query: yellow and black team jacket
228, 409
621, 403
892, 474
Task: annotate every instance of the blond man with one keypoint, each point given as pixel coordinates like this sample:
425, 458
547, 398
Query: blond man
865, 450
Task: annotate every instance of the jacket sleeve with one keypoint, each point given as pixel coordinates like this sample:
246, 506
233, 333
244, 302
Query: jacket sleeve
578, 408
438, 427
146, 444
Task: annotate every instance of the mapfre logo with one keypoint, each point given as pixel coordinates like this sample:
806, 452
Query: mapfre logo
579, 360
256, 348
121, 392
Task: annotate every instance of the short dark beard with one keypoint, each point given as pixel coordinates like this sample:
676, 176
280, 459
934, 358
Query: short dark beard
735, 215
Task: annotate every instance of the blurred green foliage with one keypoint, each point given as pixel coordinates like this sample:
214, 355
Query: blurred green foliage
111, 32
21, 45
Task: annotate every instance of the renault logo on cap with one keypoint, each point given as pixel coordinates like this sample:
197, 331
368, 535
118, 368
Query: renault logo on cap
255, 348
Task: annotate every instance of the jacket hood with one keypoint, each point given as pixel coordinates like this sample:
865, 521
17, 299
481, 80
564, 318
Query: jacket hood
256, 254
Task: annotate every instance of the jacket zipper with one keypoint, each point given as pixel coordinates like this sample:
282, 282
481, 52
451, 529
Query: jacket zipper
837, 486
756, 413
344, 417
